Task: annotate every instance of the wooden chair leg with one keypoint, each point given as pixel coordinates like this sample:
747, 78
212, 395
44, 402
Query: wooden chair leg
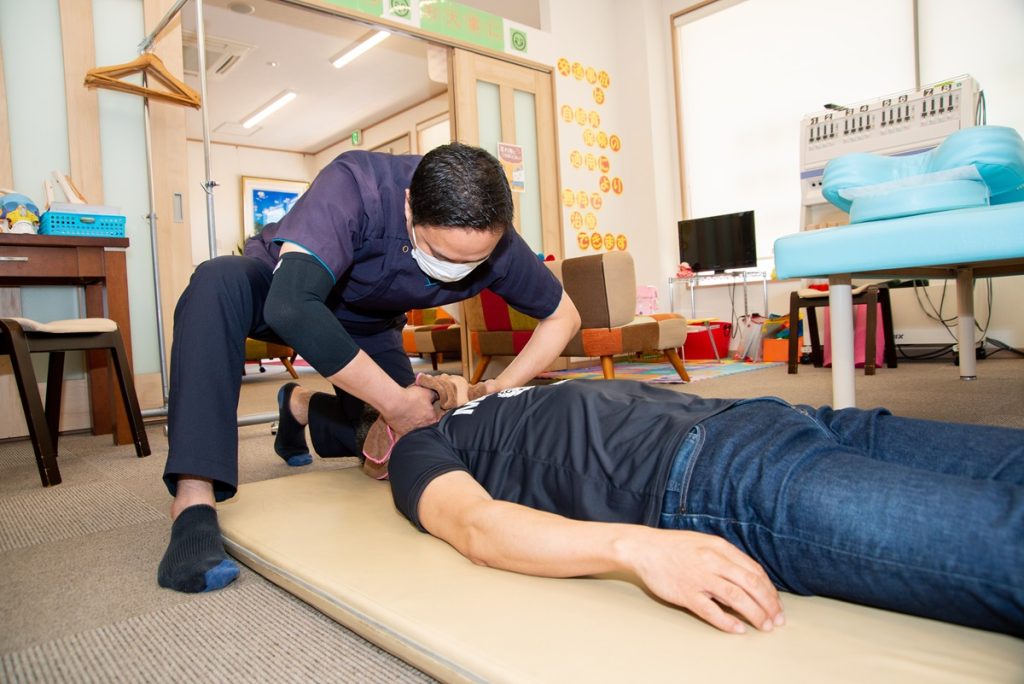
887, 327
871, 301
608, 367
794, 322
817, 354
433, 359
478, 372
35, 416
126, 381
677, 363
54, 387
287, 363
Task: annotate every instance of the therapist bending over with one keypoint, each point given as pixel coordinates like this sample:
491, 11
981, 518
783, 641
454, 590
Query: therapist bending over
374, 236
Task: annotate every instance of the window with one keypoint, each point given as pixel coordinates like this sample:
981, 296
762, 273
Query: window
749, 71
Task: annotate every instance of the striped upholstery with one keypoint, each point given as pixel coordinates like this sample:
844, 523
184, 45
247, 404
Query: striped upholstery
603, 288
431, 331
432, 316
502, 330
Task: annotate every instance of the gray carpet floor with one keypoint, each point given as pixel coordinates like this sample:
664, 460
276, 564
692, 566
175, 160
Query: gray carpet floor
78, 561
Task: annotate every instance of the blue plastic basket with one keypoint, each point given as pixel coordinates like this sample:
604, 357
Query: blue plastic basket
85, 225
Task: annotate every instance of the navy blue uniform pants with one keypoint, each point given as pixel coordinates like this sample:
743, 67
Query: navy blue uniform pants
220, 308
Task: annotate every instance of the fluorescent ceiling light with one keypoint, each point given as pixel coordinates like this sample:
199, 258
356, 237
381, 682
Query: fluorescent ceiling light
269, 108
359, 48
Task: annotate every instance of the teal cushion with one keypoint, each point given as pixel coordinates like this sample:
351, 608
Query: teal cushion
972, 167
890, 247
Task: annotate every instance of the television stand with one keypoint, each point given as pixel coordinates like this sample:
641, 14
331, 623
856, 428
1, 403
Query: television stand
710, 279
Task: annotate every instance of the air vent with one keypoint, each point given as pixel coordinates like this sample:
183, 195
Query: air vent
222, 55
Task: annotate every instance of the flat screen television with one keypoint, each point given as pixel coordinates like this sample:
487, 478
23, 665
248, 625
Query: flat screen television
718, 243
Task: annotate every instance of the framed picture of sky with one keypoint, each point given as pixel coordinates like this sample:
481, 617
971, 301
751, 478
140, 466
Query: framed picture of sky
267, 200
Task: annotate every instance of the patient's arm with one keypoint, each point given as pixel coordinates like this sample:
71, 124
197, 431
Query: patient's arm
692, 570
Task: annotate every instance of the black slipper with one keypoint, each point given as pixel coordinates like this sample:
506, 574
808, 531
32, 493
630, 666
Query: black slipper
290, 443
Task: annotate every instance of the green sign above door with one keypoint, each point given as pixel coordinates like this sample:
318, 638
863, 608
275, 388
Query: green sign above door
374, 7
445, 18
464, 23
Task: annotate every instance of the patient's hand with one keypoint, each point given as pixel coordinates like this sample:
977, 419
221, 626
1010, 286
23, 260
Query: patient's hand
703, 573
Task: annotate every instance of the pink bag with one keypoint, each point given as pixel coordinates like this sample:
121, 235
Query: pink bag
646, 300
860, 325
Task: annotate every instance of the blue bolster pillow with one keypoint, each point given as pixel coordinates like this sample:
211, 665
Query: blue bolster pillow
972, 167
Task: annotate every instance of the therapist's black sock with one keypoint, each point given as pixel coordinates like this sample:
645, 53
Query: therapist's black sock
290, 442
195, 560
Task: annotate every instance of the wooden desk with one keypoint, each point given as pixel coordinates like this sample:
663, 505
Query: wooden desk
97, 265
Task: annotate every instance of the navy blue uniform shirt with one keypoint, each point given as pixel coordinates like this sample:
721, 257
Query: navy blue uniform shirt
585, 449
352, 219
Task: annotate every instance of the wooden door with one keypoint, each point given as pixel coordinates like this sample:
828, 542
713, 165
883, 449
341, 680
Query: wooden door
499, 102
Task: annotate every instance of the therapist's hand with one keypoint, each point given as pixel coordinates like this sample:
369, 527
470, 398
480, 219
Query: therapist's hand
482, 389
416, 410
452, 390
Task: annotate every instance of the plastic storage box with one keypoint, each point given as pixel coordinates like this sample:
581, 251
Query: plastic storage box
698, 345
82, 220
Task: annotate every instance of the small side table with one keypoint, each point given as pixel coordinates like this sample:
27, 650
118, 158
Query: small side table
692, 282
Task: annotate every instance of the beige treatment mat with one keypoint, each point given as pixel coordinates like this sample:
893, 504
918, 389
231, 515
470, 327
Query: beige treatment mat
335, 540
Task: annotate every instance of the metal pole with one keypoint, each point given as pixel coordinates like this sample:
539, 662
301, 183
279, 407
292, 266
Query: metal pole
209, 185
257, 418
147, 42
764, 291
251, 419
153, 247
965, 318
840, 302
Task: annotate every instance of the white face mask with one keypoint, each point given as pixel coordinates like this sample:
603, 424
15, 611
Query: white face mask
438, 269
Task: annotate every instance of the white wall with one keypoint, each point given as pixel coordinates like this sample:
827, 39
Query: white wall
228, 164
405, 122
626, 41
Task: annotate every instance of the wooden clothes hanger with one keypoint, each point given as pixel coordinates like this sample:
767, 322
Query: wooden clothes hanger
149, 65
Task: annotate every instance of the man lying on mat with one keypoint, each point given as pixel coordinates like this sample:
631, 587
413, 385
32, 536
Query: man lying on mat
715, 503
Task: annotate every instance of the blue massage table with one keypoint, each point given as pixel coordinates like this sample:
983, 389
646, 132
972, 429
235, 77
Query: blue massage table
937, 242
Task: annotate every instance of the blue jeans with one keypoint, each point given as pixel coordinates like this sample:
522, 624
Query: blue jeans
909, 515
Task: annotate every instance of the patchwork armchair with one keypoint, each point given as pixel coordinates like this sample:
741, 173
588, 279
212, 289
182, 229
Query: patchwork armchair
432, 332
603, 287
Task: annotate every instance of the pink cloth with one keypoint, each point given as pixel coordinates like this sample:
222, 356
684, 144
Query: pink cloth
860, 325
